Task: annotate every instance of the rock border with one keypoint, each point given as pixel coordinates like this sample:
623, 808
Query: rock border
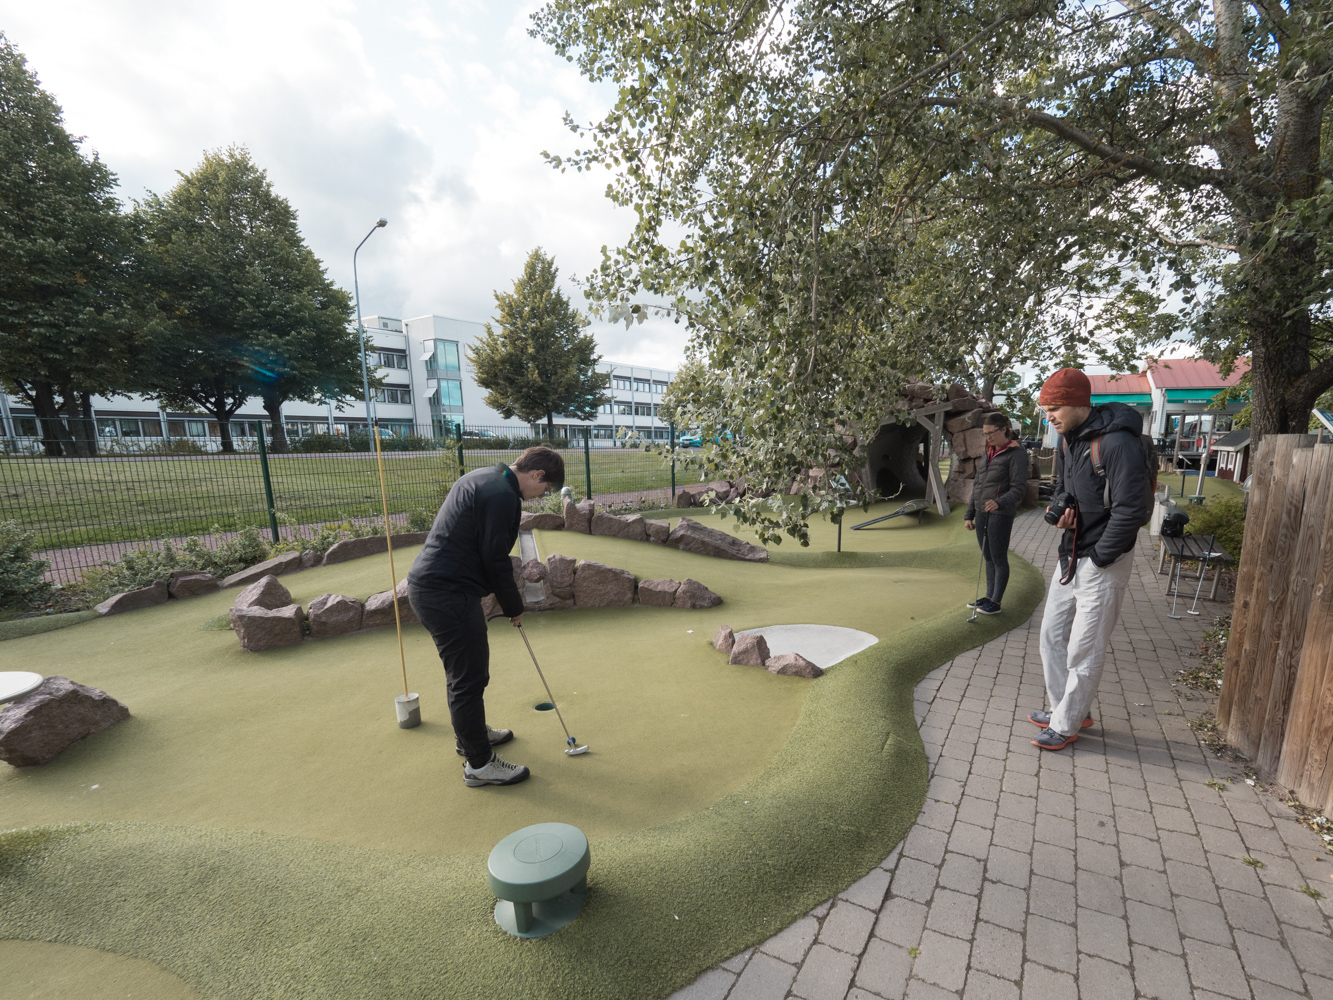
751, 650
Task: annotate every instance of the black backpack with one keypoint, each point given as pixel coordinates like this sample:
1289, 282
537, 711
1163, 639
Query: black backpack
1150, 461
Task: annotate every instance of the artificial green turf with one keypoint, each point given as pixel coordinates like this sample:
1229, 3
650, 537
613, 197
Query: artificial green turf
244, 913
20, 627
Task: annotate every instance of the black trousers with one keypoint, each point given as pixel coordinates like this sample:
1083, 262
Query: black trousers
993, 531
456, 622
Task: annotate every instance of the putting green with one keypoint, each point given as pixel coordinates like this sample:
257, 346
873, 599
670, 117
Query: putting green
260, 827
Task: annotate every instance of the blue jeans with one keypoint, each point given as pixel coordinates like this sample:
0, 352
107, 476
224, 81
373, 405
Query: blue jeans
993, 531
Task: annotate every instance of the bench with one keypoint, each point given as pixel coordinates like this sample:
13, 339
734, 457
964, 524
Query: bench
1193, 548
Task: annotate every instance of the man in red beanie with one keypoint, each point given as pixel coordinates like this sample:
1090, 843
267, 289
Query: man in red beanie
1102, 465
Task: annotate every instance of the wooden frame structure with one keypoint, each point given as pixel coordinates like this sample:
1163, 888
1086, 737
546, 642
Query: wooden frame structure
932, 418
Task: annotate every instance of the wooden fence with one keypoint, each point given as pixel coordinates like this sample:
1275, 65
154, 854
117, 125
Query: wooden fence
1276, 705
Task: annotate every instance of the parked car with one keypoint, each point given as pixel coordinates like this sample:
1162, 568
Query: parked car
690, 441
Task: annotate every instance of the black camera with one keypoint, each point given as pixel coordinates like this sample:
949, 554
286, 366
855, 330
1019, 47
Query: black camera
1173, 525
1060, 503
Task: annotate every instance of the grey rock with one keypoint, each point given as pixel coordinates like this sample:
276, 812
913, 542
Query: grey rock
956, 425
658, 593
691, 536
628, 526
723, 639
693, 595
310, 559
600, 586
191, 583
578, 516
560, 576
259, 628
37, 727
266, 592
356, 548
684, 499
379, 608
285, 563
534, 571
793, 665
541, 522
721, 491
739, 487
658, 531
334, 614
959, 490
955, 392
749, 651
970, 443
156, 592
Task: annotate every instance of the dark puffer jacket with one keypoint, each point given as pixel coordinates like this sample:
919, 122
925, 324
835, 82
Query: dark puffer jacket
1003, 478
1104, 534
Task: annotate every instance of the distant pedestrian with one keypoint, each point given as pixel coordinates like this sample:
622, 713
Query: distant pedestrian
996, 494
1102, 479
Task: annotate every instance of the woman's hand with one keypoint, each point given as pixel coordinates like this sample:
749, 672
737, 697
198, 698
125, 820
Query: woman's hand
969, 526
991, 506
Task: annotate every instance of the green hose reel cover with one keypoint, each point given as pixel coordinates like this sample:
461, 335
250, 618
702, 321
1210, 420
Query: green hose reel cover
538, 862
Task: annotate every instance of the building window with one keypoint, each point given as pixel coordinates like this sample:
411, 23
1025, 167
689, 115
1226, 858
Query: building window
642, 385
625, 409
394, 394
443, 356
603, 433
392, 359
106, 427
624, 383
643, 409
449, 393
659, 387
27, 426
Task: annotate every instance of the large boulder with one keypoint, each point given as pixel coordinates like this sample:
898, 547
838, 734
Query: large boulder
691, 536
793, 665
534, 571
37, 727
191, 583
310, 559
970, 443
355, 548
749, 651
156, 592
658, 593
334, 614
259, 629
264, 593
959, 490
691, 494
578, 516
658, 531
600, 586
721, 491
285, 563
379, 608
724, 639
560, 576
693, 595
956, 425
628, 526
541, 522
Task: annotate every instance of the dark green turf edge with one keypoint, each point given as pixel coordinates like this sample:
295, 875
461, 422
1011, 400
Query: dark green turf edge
20, 627
242, 915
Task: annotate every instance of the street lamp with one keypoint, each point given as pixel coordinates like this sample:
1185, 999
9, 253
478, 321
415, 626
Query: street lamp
371, 422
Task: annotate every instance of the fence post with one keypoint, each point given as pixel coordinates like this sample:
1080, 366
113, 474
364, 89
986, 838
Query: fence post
458, 430
268, 485
671, 440
587, 460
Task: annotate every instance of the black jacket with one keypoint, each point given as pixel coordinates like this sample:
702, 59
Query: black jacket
1003, 479
468, 547
1102, 534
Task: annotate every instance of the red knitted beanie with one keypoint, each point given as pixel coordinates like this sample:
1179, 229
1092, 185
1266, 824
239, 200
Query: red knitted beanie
1067, 387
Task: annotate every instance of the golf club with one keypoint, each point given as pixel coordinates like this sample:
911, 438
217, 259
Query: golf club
981, 536
1203, 571
1176, 597
574, 749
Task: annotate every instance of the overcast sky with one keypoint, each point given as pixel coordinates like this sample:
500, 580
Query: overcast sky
431, 114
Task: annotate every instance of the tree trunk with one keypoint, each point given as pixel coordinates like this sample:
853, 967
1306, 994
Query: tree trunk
86, 421
49, 424
277, 439
550, 429
79, 432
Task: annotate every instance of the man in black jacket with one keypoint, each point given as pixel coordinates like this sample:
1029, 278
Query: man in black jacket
466, 557
1096, 552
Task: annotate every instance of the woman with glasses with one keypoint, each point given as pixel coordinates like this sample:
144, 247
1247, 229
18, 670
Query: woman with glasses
1000, 484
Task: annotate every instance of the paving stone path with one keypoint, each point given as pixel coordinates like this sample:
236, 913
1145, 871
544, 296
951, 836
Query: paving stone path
1107, 870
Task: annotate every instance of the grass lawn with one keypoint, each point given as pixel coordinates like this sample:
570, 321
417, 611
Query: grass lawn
86, 501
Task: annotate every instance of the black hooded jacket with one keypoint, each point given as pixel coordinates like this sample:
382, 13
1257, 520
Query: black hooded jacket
468, 547
1102, 534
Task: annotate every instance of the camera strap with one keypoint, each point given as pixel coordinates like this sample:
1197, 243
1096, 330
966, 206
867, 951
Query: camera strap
1073, 557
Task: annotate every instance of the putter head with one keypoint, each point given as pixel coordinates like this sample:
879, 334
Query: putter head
574, 749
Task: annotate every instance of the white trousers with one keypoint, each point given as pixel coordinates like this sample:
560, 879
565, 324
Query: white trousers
1075, 634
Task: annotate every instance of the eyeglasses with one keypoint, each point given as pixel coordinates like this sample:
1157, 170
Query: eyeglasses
995, 430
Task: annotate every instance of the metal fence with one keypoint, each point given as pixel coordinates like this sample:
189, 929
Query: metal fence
88, 510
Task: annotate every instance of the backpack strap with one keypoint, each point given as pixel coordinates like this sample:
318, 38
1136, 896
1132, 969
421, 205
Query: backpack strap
1100, 469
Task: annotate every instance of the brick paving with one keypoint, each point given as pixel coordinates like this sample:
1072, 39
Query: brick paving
1107, 870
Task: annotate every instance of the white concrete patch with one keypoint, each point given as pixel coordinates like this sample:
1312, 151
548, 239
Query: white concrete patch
822, 645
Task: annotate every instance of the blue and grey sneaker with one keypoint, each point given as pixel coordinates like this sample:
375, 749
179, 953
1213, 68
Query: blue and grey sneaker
977, 603
1051, 740
1043, 719
496, 772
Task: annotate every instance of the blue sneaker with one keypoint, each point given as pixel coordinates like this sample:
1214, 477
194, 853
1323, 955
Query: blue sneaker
988, 607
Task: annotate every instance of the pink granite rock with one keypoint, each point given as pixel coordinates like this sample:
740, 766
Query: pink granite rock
191, 583
285, 563
560, 576
379, 608
265, 592
749, 651
793, 665
658, 593
693, 595
629, 526
691, 536
259, 628
600, 586
723, 639
534, 571
578, 516
541, 522
157, 592
658, 531
34, 729
334, 614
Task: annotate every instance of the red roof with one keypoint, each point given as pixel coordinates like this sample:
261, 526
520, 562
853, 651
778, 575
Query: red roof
1119, 385
1192, 373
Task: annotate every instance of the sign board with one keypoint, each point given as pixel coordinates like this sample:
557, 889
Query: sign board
1325, 418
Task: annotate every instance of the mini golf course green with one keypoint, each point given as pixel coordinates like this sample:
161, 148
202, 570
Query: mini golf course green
261, 828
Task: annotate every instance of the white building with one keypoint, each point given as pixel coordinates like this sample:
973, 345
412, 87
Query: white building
428, 388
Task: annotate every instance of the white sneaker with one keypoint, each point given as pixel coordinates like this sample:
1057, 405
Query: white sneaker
493, 736
496, 772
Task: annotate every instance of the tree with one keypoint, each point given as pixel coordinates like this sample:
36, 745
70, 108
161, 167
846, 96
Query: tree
66, 254
540, 362
243, 307
794, 143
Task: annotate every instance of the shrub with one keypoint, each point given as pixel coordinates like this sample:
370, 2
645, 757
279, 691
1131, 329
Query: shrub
1224, 517
230, 556
22, 582
328, 535
420, 519
134, 570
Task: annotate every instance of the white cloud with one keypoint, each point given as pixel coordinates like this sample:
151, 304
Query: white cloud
433, 116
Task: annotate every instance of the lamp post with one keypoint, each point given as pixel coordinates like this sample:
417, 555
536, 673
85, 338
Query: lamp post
361, 330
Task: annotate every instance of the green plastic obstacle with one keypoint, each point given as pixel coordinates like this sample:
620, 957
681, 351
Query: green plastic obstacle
539, 875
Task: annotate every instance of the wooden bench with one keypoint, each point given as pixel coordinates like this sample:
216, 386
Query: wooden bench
1192, 548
